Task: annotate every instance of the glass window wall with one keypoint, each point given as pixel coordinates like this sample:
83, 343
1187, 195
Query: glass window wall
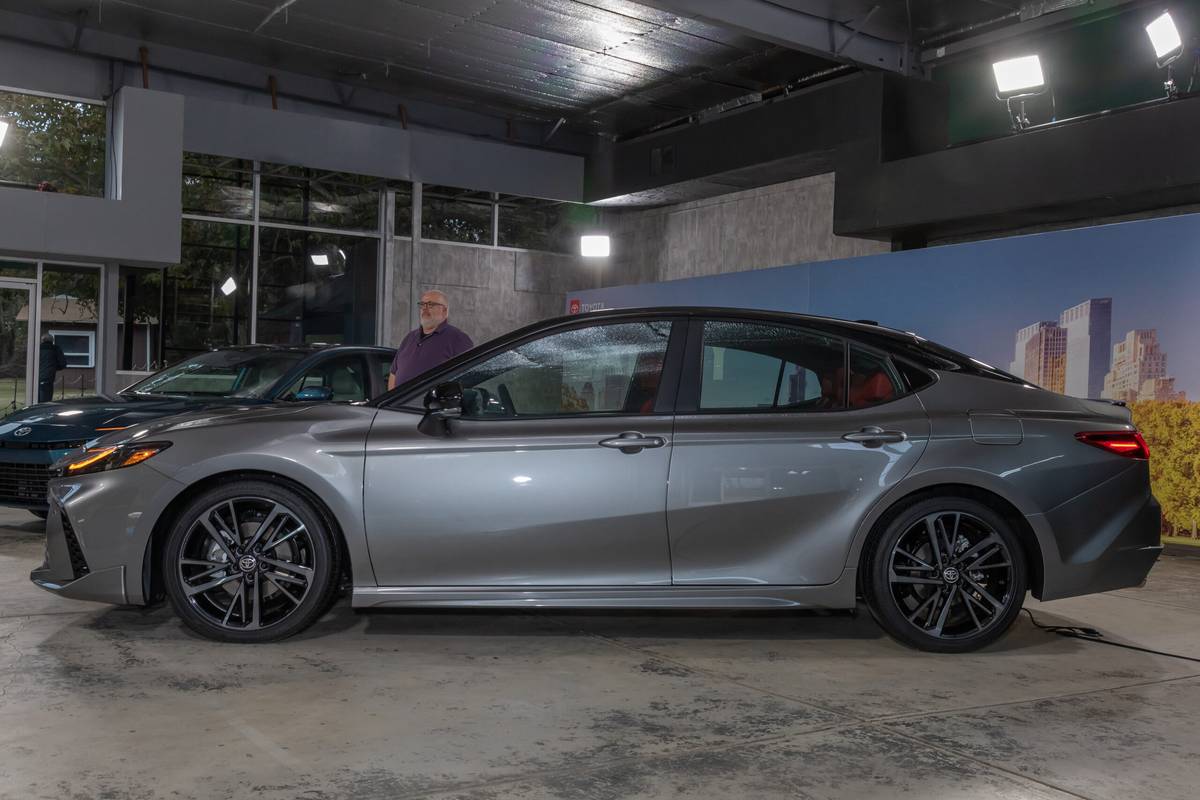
319, 199
216, 186
206, 297
456, 215
70, 314
139, 315
51, 144
316, 287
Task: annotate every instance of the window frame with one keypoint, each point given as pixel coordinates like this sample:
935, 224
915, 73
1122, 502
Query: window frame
306, 365
410, 395
91, 352
692, 377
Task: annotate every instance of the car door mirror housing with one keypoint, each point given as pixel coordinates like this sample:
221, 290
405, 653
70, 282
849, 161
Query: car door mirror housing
314, 394
442, 404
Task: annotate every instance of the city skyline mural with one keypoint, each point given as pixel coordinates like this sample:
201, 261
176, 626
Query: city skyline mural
1101, 312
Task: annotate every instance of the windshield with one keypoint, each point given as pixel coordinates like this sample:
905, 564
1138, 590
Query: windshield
222, 373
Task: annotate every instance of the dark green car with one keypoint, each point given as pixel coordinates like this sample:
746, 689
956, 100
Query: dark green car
33, 438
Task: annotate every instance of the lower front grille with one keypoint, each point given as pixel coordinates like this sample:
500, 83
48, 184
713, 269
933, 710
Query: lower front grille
79, 565
23, 483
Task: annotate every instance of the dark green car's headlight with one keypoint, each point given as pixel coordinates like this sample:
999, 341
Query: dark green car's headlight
102, 459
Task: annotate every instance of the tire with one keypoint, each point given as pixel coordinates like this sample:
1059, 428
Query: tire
225, 590
39, 513
936, 602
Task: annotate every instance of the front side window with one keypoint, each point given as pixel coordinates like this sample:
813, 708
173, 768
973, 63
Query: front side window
751, 366
605, 369
344, 376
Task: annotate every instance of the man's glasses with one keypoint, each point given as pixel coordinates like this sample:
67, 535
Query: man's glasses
427, 305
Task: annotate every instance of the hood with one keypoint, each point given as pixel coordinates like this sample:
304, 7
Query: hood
230, 415
75, 421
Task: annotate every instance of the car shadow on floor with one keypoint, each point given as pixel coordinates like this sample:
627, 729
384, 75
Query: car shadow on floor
632, 627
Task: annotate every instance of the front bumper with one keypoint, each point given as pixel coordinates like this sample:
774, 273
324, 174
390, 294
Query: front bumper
97, 530
24, 474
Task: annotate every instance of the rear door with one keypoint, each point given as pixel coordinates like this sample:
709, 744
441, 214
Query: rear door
784, 437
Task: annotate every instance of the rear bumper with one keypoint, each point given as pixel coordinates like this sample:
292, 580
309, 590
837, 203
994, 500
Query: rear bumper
1105, 539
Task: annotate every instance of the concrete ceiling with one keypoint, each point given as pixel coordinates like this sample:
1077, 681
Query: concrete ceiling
604, 66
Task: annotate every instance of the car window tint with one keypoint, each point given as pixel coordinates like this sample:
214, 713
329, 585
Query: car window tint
753, 366
345, 376
873, 379
601, 369
383, 367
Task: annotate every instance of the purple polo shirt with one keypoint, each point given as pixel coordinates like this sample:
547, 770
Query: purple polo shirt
418, 352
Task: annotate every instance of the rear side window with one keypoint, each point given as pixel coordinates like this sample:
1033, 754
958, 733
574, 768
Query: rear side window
752, 366
873, 379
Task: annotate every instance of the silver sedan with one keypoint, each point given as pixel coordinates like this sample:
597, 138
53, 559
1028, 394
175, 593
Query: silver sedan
652, 458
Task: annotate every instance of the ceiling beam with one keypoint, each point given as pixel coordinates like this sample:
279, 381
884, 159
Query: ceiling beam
809, 33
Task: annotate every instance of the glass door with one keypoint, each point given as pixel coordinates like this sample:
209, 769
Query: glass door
16, 345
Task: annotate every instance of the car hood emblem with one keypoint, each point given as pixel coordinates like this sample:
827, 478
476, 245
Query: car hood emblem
25, 431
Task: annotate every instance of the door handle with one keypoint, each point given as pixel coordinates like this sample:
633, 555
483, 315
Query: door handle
630, 442
873, 436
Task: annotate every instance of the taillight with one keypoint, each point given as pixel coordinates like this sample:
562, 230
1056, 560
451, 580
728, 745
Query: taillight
1124, 443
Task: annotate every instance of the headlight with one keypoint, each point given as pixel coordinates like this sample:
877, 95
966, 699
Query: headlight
101, 459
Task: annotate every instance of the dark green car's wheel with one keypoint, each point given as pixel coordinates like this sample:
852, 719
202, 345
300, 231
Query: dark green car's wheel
947, 575
250, 561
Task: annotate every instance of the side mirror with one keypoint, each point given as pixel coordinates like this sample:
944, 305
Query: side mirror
442, 404
314, 394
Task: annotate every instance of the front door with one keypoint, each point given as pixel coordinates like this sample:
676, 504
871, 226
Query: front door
783, 439
18, 346
555, 475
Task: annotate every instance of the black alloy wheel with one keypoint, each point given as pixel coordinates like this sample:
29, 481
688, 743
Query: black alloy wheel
250, 561
947, 575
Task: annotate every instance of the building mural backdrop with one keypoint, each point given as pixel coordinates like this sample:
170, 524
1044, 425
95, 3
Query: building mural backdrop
1106, 311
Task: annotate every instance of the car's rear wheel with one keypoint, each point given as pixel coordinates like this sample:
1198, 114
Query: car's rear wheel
947, 575
250, 561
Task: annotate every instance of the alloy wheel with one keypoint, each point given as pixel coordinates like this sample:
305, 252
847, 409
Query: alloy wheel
246, 563
951, 575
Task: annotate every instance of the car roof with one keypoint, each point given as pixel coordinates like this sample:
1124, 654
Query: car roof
305, 348
832, 324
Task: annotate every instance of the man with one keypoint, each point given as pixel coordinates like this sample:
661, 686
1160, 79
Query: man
434, 343
51, 359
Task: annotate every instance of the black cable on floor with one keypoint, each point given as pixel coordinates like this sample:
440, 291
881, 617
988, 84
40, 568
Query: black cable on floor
1093, 635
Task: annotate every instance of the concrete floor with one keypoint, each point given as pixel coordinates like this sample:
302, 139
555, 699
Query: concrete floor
97, 702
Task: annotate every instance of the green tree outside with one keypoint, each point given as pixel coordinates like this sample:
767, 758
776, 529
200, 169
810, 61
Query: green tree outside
1172, 430
58, 144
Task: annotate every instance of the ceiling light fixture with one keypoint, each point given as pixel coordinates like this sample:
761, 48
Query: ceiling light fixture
229, 286
1168, 47
1017, 79
320, 259
594, 246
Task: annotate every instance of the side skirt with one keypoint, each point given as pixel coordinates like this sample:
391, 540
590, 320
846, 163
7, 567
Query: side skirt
840, 594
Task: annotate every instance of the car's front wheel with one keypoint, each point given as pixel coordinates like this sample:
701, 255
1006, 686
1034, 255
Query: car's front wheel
947, 575
250, 561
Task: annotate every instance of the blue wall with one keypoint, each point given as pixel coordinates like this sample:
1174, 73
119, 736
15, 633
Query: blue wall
974, 297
